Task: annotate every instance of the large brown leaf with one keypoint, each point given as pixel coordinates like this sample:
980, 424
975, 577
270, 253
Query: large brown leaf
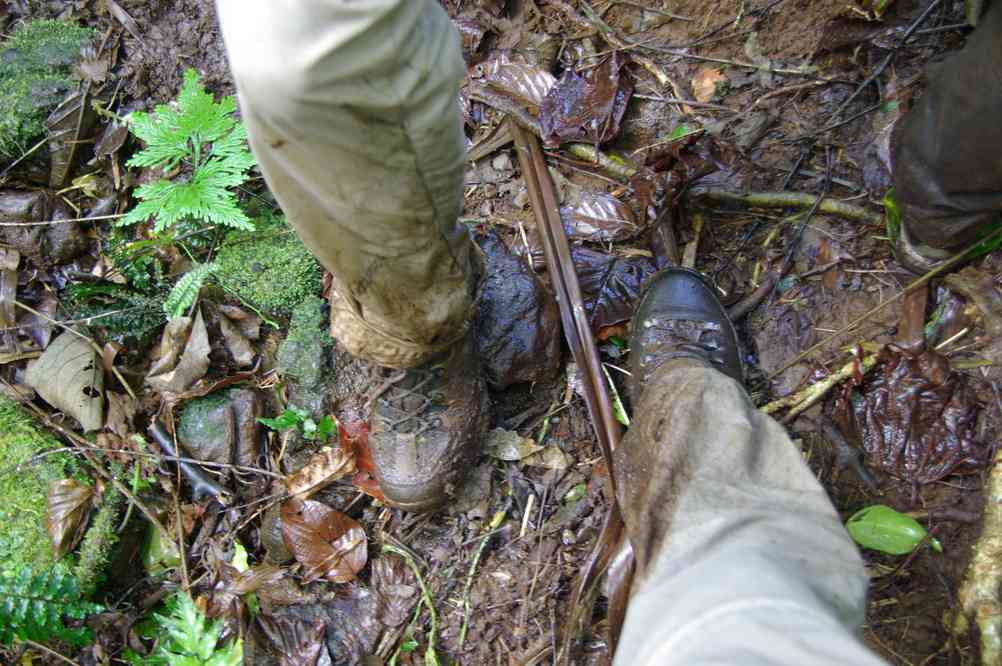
184, 355
586, 106
326, 542
66, 510
69, 377
599, 217
610, 285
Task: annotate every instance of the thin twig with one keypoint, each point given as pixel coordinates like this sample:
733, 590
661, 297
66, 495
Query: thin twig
494, 524
793, 200
43, 223
49, 651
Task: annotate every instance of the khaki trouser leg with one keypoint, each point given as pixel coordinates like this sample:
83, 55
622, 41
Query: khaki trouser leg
741, 558
352, 111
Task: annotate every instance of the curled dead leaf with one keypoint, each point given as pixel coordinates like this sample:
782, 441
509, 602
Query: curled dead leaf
66, 509
599, 217
184, 355
327, 465
326, 542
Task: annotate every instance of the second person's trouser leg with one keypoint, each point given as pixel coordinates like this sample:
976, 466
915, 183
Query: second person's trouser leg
948, 148
741, 558
352, 111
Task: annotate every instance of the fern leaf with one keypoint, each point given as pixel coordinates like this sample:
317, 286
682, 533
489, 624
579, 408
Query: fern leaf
185, 292
33, 605
198, 131
190, 639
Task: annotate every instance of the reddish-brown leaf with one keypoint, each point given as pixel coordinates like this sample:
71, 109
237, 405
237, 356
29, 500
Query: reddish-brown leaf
326, 542
66, 513
354, 436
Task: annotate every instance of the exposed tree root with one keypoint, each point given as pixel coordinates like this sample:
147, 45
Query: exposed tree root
978, 597
794, 200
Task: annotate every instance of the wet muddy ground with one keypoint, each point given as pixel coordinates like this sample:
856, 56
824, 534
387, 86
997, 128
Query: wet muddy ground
767, 86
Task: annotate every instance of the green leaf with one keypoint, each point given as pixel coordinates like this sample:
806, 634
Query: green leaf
309, 428
408, 646
892, 216
880, 527
290, 418
33, 605
185, 292
327, 427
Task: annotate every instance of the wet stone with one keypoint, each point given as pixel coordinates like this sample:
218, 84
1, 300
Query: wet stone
222, 427
517, 323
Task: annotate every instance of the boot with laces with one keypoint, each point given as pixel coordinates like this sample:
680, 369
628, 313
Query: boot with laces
680, 316
427, 426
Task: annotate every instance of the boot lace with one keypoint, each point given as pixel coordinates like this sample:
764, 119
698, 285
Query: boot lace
409, 401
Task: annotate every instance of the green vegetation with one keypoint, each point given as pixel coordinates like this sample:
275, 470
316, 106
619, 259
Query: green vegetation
271, 269
24, 485
35, 70
33, 606
186, 637
880, 527
120, 311
208, 143
99, 543
301, 355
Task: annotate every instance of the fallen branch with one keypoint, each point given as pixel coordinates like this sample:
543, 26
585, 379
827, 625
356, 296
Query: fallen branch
793, 200
978, 597
806, 398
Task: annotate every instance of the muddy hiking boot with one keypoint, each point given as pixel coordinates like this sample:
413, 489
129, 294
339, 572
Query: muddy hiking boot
427, 426
680, 316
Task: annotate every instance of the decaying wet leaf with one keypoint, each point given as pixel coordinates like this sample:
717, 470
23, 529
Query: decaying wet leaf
917, 418
68, 126
298, 643
66, 509
599, 217
326, 466
550, 457
236, 343
525, 83
111, 139
509, 445
9, 347
326, 542
121, 412
586, 106
610, 285
396, 589
69, 377
184, 355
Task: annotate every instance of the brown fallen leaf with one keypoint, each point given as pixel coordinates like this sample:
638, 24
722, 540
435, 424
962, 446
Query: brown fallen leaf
326, 542
177, 370
599, 217
66, 509
298, 642
704, 84
326, 466
586, 106
236, 342
354, 436
68, 376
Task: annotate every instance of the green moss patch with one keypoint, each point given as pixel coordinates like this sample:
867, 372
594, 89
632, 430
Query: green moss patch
24, 485
35, 67
269, 268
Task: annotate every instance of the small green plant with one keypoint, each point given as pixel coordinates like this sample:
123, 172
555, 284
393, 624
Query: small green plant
33, 607
201, 139
185, 637
119, 310
293, 417
185, 291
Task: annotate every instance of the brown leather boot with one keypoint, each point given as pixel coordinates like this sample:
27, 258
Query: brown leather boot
680, 316
427, 425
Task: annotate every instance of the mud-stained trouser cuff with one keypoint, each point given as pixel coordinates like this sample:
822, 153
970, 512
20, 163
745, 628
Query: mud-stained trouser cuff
741, 557
947, 150
352, 111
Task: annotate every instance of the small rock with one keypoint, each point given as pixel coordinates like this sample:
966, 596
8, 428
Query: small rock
222, 427
46, 245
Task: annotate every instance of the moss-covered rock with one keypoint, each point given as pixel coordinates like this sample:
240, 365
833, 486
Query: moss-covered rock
24, 485
303, 355
270, 268
35, 67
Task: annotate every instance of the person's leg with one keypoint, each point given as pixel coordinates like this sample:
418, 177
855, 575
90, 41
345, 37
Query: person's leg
947, 170
352, 111
741, 558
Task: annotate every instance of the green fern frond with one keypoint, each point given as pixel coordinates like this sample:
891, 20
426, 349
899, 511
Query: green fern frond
203, 134
33, 606
185, 292
190, 639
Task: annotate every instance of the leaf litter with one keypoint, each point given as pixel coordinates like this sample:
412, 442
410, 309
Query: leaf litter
650, 152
